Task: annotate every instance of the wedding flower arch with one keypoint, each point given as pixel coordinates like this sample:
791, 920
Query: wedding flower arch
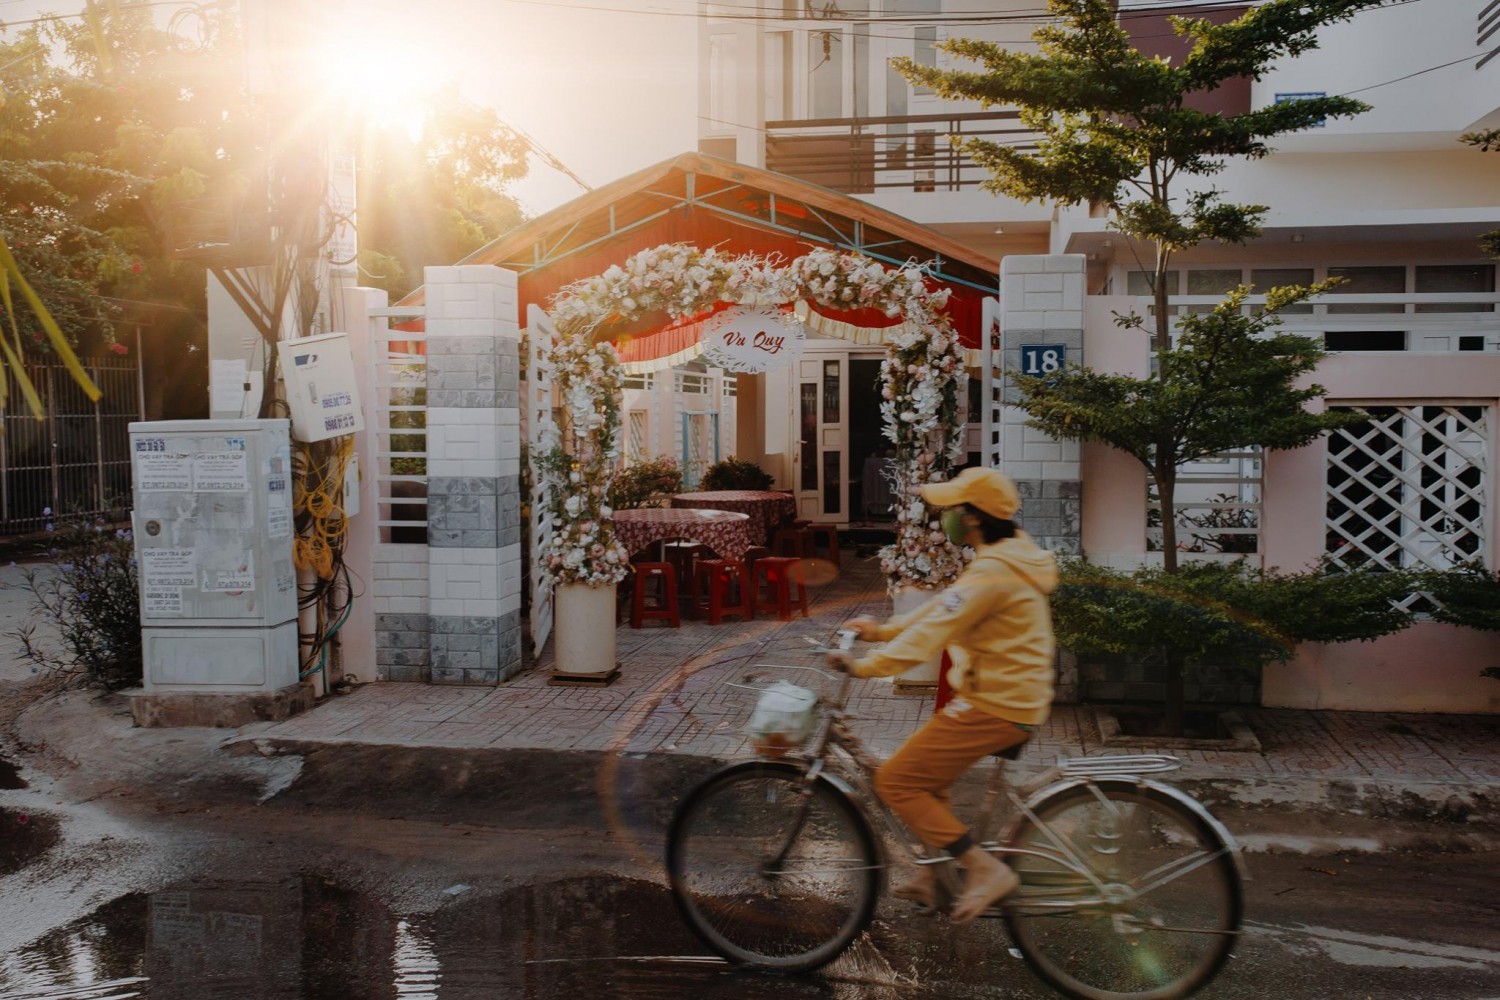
922, 381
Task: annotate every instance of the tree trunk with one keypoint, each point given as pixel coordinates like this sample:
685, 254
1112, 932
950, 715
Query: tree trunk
1165, 475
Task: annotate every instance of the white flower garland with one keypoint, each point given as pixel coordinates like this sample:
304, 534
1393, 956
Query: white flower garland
923, 380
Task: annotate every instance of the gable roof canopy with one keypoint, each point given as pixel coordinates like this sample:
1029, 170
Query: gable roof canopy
710, 202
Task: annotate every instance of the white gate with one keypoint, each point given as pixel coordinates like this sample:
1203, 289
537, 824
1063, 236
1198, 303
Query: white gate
540, 335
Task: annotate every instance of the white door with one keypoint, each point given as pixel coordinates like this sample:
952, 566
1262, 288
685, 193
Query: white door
835, 427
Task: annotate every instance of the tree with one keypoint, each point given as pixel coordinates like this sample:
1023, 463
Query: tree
1486, 141
1118, 128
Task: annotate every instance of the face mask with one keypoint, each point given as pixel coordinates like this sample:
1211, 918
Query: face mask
953, 525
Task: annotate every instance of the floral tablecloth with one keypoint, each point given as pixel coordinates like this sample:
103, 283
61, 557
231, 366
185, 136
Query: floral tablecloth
766, 508
725, 532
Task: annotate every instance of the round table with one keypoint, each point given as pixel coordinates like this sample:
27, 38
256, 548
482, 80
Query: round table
765, 508
725, 532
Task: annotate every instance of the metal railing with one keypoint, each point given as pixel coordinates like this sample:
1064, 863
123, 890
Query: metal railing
912, 152
398, 377
75, 460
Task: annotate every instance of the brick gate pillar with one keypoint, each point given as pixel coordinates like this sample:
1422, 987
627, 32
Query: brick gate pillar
473, 474
1041, 308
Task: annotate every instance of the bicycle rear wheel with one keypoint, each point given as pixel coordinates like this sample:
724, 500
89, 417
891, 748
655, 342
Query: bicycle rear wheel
1156, 914
768, 876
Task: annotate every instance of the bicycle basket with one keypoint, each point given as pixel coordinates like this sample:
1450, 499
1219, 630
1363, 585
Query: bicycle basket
783, 719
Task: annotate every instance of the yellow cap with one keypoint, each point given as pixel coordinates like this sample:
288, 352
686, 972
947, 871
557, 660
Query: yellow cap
989, 490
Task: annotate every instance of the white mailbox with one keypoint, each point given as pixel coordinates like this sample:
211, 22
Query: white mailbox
213, 541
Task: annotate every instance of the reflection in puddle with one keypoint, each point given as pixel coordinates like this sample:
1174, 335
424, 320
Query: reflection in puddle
309, 938
10, 776
23, 838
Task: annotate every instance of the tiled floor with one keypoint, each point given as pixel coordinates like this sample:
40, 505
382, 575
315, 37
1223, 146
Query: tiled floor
675, 695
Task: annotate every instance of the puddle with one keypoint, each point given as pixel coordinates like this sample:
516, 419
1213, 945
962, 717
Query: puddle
24, 837
310, 938
10, 775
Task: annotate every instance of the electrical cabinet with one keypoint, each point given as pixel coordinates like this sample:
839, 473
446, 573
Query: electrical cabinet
213, 540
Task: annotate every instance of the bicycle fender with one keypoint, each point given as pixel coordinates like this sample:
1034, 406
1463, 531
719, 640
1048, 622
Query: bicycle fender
1177, 795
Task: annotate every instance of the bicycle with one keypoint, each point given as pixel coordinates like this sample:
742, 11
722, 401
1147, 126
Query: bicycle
1130, 889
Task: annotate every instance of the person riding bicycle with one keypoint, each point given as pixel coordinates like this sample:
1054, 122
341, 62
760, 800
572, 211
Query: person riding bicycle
995, 621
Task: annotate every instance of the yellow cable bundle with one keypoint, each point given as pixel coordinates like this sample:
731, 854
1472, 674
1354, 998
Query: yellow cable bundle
317, 494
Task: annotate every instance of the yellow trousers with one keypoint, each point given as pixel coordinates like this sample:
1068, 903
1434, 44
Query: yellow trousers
916, 782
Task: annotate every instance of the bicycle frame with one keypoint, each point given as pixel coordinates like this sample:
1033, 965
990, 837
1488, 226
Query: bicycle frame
833, 741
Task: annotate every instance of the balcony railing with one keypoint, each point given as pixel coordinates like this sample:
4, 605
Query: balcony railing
1425, 322
910, 152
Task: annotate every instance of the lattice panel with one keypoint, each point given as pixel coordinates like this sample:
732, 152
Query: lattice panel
635, 436
1408, 488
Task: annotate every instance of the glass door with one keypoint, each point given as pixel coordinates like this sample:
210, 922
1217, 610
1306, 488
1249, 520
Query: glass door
822, 461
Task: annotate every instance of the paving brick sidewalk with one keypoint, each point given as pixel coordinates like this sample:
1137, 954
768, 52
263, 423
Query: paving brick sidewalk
672, 697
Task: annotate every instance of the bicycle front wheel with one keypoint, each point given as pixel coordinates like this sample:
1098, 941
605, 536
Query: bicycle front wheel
1129, 891
772, 870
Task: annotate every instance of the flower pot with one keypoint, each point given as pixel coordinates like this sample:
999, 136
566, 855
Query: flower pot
585, 629
923, 675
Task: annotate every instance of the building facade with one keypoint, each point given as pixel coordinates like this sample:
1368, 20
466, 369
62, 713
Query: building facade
1391, 201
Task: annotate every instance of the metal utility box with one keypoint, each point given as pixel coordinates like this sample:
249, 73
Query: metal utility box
321, 387
213, 542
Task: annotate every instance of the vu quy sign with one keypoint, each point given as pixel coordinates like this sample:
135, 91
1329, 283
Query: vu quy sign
751, 340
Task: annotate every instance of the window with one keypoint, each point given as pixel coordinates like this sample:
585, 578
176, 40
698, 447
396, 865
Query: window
777, 99
1455, 278
831, 394
1365, 340
646, 381
721, 81
731, 384
1266, 278
1408, 487
1367, 281
825, 74
1218, 283
1139, 282
924, 52
693, 383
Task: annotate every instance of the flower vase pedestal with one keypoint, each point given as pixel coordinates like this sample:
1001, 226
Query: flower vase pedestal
585, 636
923, 678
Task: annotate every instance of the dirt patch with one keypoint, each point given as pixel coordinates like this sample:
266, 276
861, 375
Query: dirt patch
1139, 727
23, 838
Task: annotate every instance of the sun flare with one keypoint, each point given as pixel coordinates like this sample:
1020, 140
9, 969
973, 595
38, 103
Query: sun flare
377, 79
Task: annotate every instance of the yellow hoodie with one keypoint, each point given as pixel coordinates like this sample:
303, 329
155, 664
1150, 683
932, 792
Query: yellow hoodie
996, 623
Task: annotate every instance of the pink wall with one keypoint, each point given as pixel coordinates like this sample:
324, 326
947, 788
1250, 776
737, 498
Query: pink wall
1425, 668
1114, 484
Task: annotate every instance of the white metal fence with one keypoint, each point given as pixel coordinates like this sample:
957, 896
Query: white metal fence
399, 376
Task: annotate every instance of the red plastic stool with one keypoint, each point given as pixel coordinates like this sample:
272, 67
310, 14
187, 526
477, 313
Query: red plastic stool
778, 574
753, 553
792, 541
827, 536
665, 607
726, 590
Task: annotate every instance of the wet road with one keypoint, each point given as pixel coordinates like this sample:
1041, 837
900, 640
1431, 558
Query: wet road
1366, 927
378, 875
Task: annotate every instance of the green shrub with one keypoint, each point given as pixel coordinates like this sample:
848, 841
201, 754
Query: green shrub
1226, 613
85, 591
1467, 595
733, 474
644, 483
